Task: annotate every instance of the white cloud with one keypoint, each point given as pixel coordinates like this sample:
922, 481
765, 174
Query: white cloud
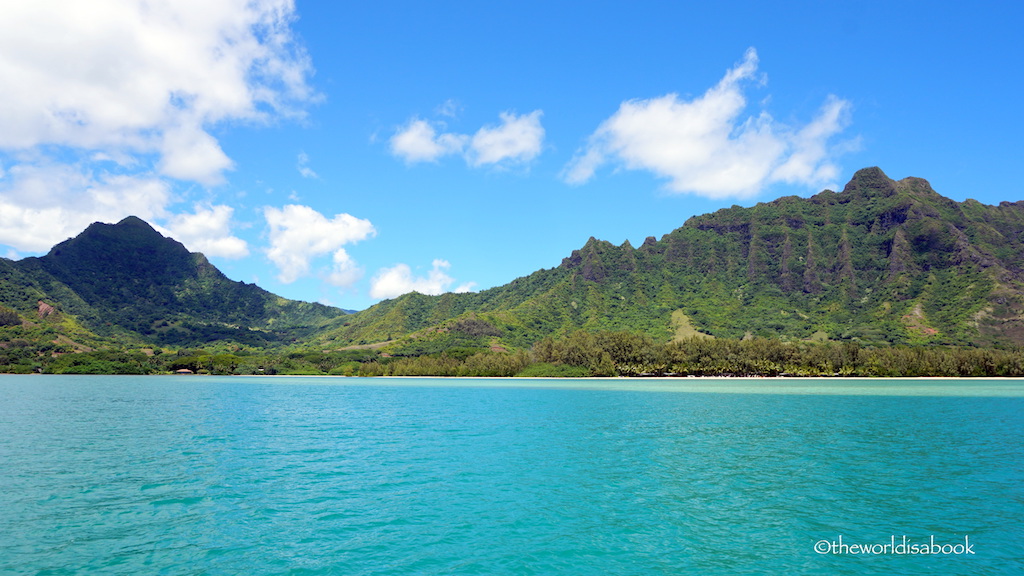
299, 234
147, 77
810, 160
418, 141
43, 203
105, 103
207, 230
516, 140
189, 153
345, 271
703, 146
398, 279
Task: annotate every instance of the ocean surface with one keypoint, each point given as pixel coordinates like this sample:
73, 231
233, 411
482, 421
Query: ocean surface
281, 475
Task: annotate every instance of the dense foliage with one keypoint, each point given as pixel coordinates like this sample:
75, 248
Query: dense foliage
881, 263
579, 354
127, 282
884, 278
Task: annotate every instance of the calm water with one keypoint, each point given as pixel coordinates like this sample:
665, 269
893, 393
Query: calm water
232, 475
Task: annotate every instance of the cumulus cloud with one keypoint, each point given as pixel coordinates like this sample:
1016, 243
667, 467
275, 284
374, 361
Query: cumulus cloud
189, 153
147, 76
705, 145
105, 104
298, 234
418, 141
399, 279
43, 203
207, 230
517, 139
345, 271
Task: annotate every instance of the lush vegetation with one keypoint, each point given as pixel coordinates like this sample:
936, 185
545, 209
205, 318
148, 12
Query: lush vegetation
882, 263
884, 278
579, 354
126, 281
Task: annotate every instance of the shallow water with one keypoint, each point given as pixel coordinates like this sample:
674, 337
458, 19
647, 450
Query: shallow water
232, 475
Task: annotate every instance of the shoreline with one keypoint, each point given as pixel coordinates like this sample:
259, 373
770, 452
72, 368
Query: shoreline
567, 378
808, 386
826, 386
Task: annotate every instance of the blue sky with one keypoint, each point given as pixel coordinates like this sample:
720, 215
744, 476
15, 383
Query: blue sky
349, 152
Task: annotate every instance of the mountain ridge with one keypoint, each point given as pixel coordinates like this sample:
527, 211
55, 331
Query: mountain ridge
882, 262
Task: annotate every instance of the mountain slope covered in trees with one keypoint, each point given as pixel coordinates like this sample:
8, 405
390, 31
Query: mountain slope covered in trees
127, 281
881, 262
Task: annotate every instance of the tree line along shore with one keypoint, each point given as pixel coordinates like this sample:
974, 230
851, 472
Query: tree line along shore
578, 354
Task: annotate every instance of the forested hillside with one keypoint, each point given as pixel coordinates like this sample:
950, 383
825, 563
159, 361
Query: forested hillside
880, 263
841, 280
127, 282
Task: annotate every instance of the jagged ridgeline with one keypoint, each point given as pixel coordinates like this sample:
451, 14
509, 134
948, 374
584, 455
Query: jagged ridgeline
882, 262
126, 280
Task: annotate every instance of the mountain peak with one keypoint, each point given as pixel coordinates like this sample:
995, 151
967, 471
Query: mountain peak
129, 276
135, 222
132, 234
125, 254
870, 182
916, 185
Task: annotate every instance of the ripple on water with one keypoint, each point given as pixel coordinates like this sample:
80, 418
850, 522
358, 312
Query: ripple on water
269, 476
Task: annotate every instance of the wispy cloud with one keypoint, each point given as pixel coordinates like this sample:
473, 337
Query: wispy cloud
399, 279
298, 234
450, 108
302, 165
707, 146
515, 140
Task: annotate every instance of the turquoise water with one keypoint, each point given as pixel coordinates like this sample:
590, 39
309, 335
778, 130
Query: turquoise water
233, 475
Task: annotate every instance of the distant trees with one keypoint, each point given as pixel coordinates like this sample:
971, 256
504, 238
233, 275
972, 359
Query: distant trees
579, 353
482, 364
9, 317
103, 362
633, 354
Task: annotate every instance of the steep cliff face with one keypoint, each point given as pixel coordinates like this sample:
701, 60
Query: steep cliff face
874, 262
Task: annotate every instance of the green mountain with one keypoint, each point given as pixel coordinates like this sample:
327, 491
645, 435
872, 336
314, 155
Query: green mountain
127, 282
882, 262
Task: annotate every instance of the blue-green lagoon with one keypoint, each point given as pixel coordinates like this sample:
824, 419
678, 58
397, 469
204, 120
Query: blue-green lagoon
282, 475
